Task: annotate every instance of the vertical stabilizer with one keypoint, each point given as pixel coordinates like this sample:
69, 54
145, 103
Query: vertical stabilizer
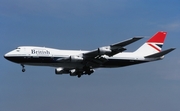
153, 45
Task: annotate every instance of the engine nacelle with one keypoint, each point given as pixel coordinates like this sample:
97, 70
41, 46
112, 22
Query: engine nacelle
73, 72
76, 58
59, 70
104, 50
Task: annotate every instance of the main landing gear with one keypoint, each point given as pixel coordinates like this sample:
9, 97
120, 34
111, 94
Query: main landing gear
23, 69
79, 75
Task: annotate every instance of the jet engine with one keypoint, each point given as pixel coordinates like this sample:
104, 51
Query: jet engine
60, 71
73, 72
104, 50
76, 58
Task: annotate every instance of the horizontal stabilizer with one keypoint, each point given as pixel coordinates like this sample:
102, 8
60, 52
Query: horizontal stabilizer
160, 54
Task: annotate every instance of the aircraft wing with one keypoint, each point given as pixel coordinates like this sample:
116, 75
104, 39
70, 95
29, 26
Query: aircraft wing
111, 49
96, 56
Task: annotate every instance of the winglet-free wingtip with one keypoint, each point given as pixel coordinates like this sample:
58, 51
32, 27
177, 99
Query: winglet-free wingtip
138, 37
173, 48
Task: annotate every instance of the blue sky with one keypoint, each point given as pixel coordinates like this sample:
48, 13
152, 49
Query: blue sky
89, 24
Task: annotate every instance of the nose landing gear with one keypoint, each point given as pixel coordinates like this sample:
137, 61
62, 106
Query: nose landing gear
23, 69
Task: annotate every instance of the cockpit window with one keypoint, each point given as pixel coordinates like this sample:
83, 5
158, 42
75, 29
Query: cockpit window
18, 49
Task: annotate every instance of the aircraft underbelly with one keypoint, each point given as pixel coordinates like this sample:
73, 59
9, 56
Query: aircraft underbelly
121, 63
65, 65
52, 61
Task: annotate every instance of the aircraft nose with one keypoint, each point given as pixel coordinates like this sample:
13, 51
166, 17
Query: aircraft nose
9, 57
6, 56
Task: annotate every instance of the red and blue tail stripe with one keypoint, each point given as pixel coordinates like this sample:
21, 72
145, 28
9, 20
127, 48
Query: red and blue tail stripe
157, 40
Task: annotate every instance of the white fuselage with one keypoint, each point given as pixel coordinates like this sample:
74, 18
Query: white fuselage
42, 56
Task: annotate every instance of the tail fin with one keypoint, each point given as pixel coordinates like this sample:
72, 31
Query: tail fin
153, 45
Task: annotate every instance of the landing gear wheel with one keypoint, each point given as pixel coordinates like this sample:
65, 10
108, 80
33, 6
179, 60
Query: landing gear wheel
79, 76
23, 70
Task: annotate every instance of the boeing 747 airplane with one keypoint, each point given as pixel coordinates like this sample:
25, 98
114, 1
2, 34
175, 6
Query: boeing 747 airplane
78, 62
